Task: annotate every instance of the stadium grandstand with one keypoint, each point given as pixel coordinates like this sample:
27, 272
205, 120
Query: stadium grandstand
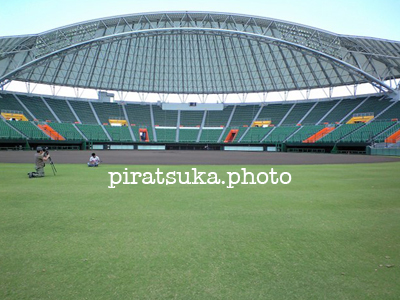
204, 54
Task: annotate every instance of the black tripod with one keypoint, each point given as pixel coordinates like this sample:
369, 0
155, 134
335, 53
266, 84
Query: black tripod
53, 167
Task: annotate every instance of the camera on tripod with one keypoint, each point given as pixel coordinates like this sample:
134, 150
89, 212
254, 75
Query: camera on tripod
46, 153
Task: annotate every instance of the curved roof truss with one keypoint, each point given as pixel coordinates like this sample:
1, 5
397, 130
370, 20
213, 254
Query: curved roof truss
197, 53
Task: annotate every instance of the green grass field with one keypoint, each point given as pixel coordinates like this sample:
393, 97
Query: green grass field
332, 233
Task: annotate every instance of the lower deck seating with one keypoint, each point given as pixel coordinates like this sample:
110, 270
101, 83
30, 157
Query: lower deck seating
367, 132
280, 134
210, 135
376, 131
119, 133
188, 135
135, 130
6, 132
381, 137
237, 136
255, 134
340, 132
67, 130
139, 117
304, 133
93, 132
166, 135
29, 129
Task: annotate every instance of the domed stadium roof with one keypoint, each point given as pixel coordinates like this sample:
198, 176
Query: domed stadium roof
197, 53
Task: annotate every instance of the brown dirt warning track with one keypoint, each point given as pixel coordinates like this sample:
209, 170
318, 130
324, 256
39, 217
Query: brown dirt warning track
181, 157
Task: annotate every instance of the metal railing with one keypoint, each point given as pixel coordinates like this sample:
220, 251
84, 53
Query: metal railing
367, 114
6, 111
306, 150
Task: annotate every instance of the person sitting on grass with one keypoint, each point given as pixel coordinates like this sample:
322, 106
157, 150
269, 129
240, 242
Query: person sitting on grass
94, 161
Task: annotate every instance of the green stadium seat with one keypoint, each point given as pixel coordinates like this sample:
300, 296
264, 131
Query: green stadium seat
62, 110
340, 132
84, 112
6, 132
191, 118
188, 135
93, 133
67, 131
167, 118
166, 135
119, 133
37, 107
255, 134
340, 111
244, 115
8, 102
304, 133
368, 132
210, 135
297, 113
29, 129
218, 118
106, 111
318, 112
238, 135
275, 112
280, 134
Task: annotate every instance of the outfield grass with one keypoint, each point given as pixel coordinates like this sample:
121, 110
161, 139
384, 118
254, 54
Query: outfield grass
329, 234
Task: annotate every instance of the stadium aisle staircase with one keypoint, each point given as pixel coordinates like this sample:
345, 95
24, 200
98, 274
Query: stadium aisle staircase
319, 135
340, 132
238, 131
30, 130
67, 130
367, 132
54, 135
304, 133
382, 137
393, 138
136, 129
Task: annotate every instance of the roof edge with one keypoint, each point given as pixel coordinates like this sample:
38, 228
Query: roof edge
199, 12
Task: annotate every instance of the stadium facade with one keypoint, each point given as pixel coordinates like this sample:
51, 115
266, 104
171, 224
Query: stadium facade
200, 53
